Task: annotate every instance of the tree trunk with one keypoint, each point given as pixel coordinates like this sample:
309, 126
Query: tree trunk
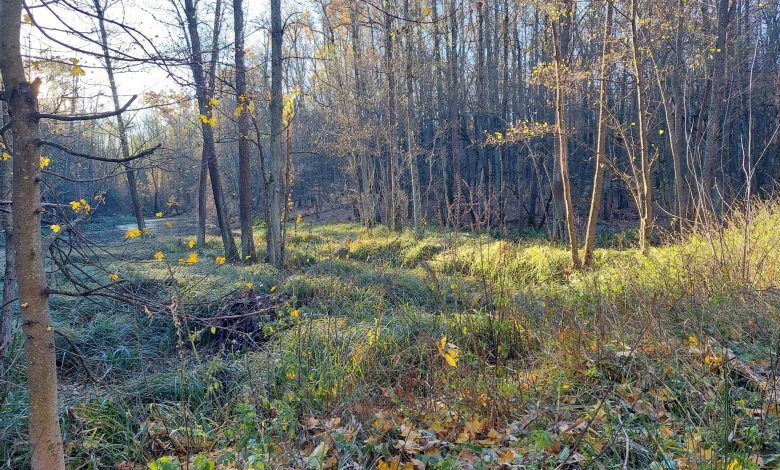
46, 450
205, 107
6, 224
677, 130
563, 162
392, 218
644, 200
248, 253
366, 183
411, 145
601, 141
120, 121
715, 114
454, 115
274, 182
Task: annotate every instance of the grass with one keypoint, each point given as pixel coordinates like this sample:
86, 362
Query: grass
638, 362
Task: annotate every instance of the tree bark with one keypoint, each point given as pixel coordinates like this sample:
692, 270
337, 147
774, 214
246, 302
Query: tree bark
120, 121
248, 253
454, 116
6, 224
715, 114
563, 158
601, 141
644, 199
205, 108
274, 183
46, 449
411, 145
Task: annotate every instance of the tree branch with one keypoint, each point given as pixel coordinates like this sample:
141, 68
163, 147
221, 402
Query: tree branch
144, 153
86, 117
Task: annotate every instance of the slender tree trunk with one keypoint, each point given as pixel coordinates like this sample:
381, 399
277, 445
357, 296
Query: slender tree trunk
392, 125
274, 183
601, 140
6, 224
411, 145
441, 107
644, 198
248, 253
677, 130
563, 158
206, 110
454, 114
120, 121
203, 183
365, 186
46, 449
715, 114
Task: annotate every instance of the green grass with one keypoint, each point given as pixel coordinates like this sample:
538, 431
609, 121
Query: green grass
627, 351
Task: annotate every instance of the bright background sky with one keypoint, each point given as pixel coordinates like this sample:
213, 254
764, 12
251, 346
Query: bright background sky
156, 19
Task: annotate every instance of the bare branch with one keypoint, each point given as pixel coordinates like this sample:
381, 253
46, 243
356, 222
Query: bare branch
144, 153
86, 117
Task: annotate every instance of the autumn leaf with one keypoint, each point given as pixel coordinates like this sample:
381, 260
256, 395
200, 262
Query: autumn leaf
133, 233
192, 258
55, 228
448, 351
159, 256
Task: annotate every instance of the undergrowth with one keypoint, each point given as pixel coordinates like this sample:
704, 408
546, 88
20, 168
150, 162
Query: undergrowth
437, 350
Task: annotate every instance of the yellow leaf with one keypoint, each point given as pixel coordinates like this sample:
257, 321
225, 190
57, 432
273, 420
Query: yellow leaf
214, 102
55, 228
294, 314
76, 70
192, 258
158, 214
213, 121
249, 285
6, 156
448, 351
168, 224
159, 256
203, 118
114, 277
27, 19
191, 243
213, 330
507, 457
132, 233
220, 259
273, 288
427, 11
44, 162
693, 341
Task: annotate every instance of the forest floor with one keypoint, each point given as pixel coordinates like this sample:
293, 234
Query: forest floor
442, 350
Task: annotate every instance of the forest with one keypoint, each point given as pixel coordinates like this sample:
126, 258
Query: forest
390, 234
